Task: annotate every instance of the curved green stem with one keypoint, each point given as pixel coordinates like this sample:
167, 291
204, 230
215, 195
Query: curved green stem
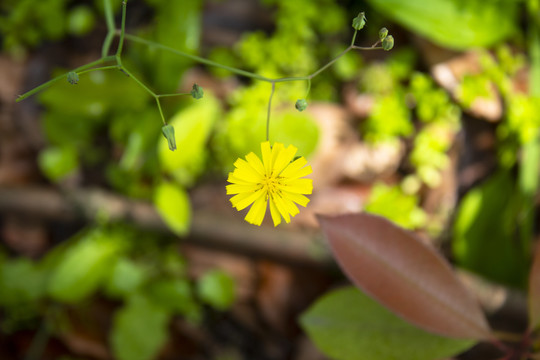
269, 110
122, 30
141, 84
99, 68
109, 19
60, 77
171, 95
160, 110
197, 58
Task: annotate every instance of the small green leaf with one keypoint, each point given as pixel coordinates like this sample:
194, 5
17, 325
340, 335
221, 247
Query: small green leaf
126, 278
20, 281
84, 266
172, 203
348, 325
58, 162
176, 296
217, 289
139, 330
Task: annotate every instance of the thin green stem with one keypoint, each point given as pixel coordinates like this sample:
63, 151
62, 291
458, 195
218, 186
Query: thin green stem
171, 95
160, 110
122, 30
354, 37
109, 19
330, 62
141, 84
269, 110
99, 68
60, 77
367, 48
308, 88
197, 58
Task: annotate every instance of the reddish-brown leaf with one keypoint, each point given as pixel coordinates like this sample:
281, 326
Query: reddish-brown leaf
404, 274
534, 292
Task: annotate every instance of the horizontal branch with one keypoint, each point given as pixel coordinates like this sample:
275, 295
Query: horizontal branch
215, 230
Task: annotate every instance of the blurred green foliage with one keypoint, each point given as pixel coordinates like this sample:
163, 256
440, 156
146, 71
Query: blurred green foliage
456, 24
346, 322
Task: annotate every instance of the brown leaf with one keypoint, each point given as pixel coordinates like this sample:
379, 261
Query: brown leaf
394, 267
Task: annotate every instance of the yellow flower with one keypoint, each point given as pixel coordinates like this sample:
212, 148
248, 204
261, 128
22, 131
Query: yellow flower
276, 180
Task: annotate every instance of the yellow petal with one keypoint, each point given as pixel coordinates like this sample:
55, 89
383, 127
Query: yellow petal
234, 179
299, 186
297, 173
256, 163
245, 171
243, 202
290, 206
276, 217
297, 198
280, 205
293, 167
266, 157
241, 188
257, 211
284, 158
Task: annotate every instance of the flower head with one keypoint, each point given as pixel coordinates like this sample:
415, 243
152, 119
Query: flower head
276, 180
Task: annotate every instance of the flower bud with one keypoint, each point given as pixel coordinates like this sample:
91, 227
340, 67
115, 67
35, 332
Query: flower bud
383, 33
359, 21
168, 132
301, 104
388, 43
72, 77
197, 91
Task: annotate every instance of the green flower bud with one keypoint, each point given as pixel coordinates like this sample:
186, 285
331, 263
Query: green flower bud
388, 43
197, 91
359, 21
301, 104
72, 77
168, 132
383, 33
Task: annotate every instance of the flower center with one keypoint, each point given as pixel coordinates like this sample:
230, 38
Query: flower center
271, 183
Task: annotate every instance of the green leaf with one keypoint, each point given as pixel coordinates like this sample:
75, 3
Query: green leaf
176, 296
346, 324
20, 281
139, 330
126, 278
484, 232
192, 127
172, 203
393, 204
84, 266
57, 162
456, 24
216, 288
